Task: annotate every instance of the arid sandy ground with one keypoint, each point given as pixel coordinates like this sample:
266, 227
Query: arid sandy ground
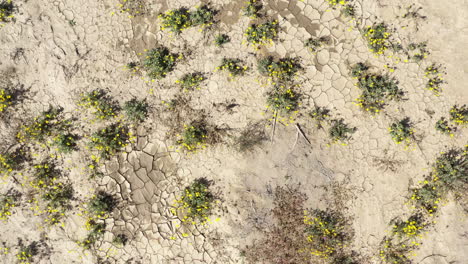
60, 49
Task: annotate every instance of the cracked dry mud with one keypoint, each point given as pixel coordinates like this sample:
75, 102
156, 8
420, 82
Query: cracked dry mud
59, 49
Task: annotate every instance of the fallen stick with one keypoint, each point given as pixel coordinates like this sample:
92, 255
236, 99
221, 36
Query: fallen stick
302, 133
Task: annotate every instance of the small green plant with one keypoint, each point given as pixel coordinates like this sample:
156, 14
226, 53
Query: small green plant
346, 258
336, 2
46, 174
12, 160
97, 231
6, 99
120, 240
252, 8
197, 202
443, 126
401, 131
314, 44
194, 137
392, 252
203, 16
359, 70
435, 79
66, 142
176, 20
58, 198
410, 228
349, 10
133, 7
451, 169
101, 102
233, 66
44, 125
159, 62
427, 197
263, 33
191, 81
7, 203
459, 114
281, 70
327, 232
26, 254
417, 51
102, 203
6, 11
136, 110
110, 139
282, 99
320, 115
221, 39
340, 131
377, 37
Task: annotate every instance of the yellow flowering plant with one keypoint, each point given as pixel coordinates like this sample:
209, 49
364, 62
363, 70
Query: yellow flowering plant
110, 140
101, 102
262, 33
6, 10
196, 203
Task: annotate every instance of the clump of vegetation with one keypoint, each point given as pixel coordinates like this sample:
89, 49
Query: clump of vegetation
459, 114
6, 11
337, 2
314, 44
58, 199
410, 228
102, 203
203, 16
327, 232
6, 99
252, 8
44, 125
97, 230
26, 254
320, 115
349, 10
377, 37
427, 197
417, 51
233, 66
197, 202
253, 135
176, 20
46, 174
443, 126
221, 39
12, 161
263, 33
451, 169
133, 7
66, 142
375, 89
280, 70
401, 131
194, 137
101, 102
136, 110
191, 81
7, 203
392, 252
435, 79
110, 139
159, 62
282, 99
359, 70
120, 239
340, 131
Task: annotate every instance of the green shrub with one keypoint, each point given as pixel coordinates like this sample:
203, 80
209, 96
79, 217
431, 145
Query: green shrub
443, 126
435, 79
262, 34
417, 51
197, 201
203, 16
427, 197
176, 20
66, 142
451, 169
279, 70
7, 203
459, 114
349, 10
313, 44
221, 39
159, 62
110, 139
136, 110
102, 203
12, 161
375, 89
191, 81
59, 197
377, 37
6, 11
101, 102
401, 131
120, 239
320, 115
392, 252
340, 131
46, 174
97, 231
27, 253
44, 125
359, 70
252, 8
283, 100
194, 137
233, 66
410, 228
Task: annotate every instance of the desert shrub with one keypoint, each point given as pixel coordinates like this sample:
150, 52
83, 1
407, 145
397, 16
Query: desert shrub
359, 70
233, 66
443, 126
410, 228
159, 62
314, 44
401, 131
6, 10
110, 139
45, 174
451, 169
252, 136
337, 2
349, 10
191, 81
66, 142
6, 99
392, 252
120, 239
97, 231
27, 253
279, 70
176, 20
427, 197
101, 102
221, 39
320, 115
7, 203
12, 160
102, 203
136, 110
262, 34
282, 99
203, 16
193, 137
346, 258
133, 7
377, 37
340, 131
252, 8
435, 81
375, 89
196, 202
44, 125
417, 51
327, 232
459, 114
58, 198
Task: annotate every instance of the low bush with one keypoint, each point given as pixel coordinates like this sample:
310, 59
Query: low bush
191, 81
101, 102
97, 231
45, 174
197, 202
203, 16
410, 228
314, 44
459, 114
395, 252
176, 20
7, 204
377, 37
349, 10
359, 70
282, 99
120, 239
252, 8
320, 115
263, 33
6, 11
43, 126
110, 139
401, 131
221, 39
281, 70
340, 131
136, 110
159, 62
443, 126
193, 137
233, 66
66, 142
102, 203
